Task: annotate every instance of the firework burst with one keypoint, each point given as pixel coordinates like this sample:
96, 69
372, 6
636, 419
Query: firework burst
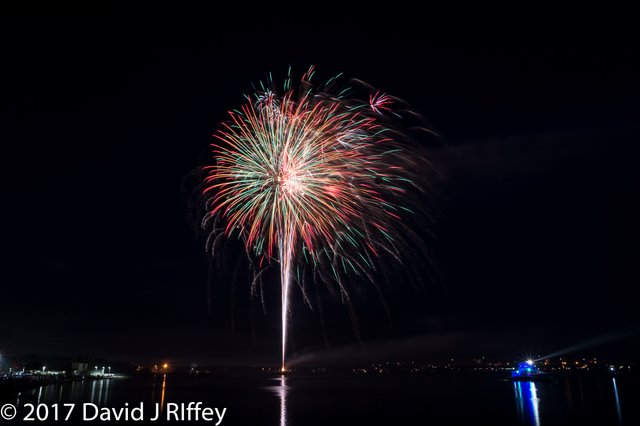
312, 176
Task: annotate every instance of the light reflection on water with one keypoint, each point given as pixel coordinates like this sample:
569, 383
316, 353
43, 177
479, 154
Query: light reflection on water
615, 393
527, 402
283, 401
281, 389
164, 388
98, 391
527, 399
435, 399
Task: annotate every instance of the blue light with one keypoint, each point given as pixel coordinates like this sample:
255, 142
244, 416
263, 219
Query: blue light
527, 403
615, 392
525, 369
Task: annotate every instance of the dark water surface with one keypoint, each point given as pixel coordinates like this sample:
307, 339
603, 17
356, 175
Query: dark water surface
430, 399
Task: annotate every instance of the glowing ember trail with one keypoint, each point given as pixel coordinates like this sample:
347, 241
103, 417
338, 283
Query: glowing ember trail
315, 177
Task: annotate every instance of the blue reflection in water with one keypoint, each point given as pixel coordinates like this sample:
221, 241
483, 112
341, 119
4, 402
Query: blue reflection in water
615, 393
527, 402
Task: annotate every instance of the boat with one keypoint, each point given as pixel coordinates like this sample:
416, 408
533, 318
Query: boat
527, 371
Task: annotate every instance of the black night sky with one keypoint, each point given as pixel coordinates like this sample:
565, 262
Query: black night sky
102, 118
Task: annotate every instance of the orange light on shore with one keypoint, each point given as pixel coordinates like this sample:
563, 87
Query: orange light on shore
165, 366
